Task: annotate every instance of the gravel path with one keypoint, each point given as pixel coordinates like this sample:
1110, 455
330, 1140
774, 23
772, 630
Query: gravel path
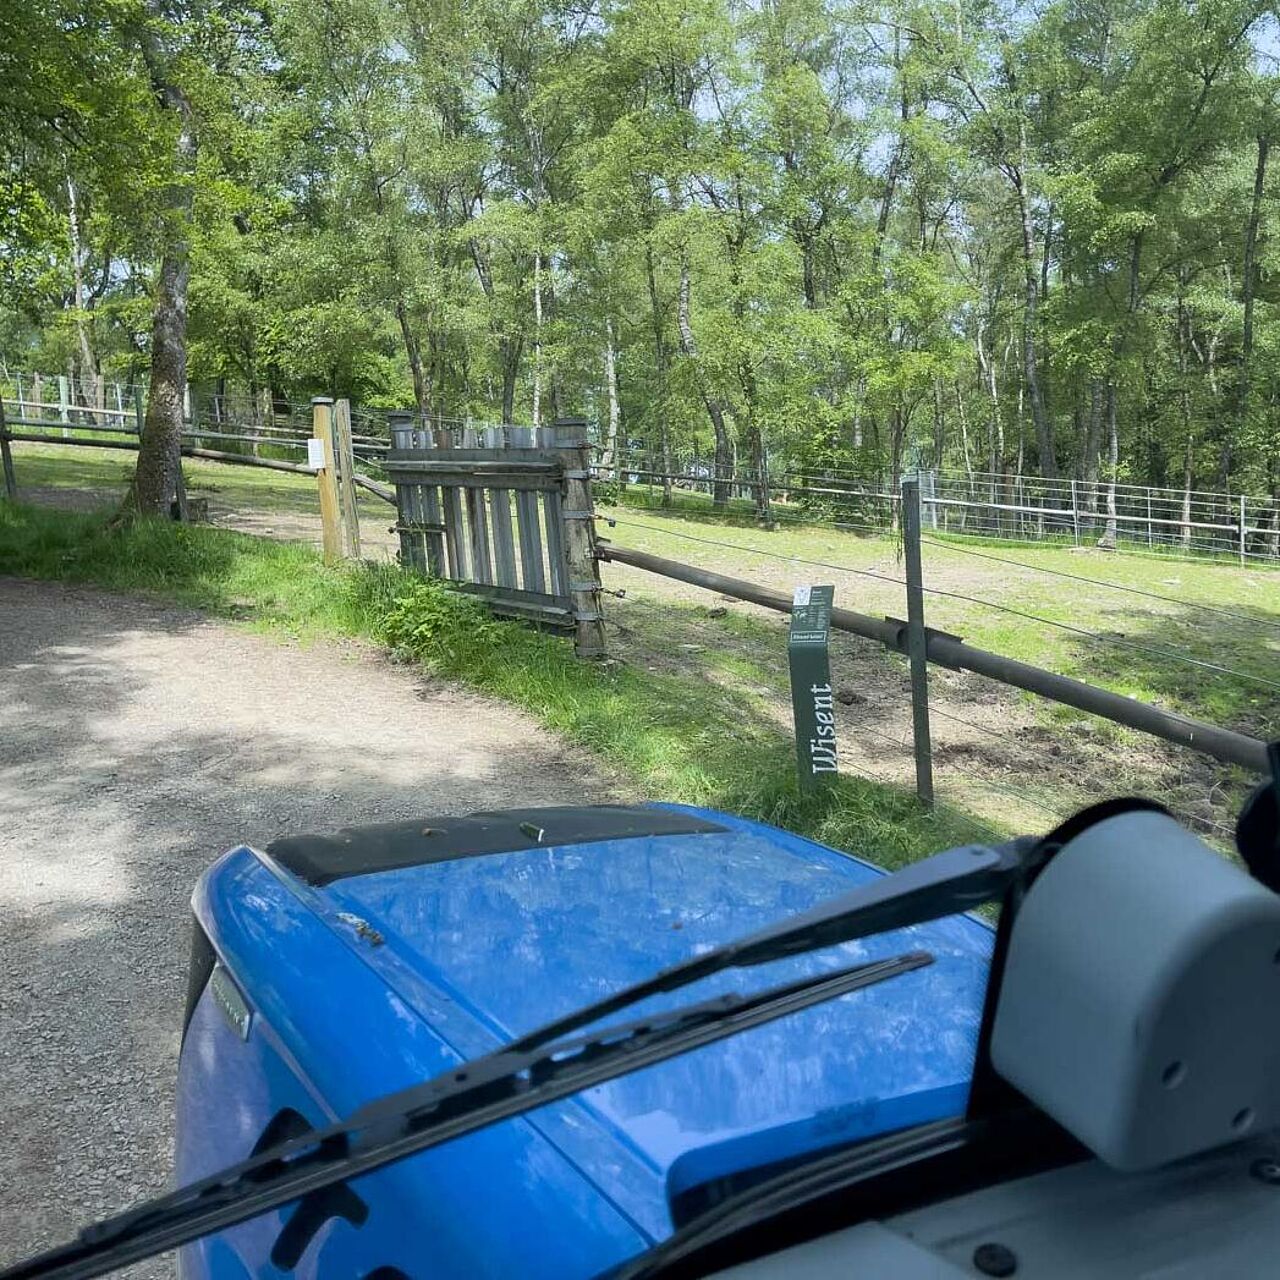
138, 741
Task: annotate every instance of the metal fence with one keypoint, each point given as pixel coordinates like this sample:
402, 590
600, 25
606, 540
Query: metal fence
992, 505
925, 647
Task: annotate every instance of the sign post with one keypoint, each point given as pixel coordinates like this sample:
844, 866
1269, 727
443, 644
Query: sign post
812, 698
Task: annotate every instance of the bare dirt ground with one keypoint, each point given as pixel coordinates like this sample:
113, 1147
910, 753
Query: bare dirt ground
138, 741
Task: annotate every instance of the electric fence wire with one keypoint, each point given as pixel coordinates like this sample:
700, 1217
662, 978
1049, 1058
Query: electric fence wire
1132, 540
1131, 545
1121, 641
1102, 582
950, 774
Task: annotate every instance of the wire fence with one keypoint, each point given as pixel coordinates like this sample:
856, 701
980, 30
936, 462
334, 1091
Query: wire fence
998, 764
1005, 506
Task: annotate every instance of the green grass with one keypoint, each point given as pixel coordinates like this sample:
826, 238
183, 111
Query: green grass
106, 473
681, 737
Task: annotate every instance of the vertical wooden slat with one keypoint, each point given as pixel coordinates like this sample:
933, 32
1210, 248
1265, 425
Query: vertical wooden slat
504, 549
455, 533
477, 518
556, 566
434, 542
404, 512
531, 572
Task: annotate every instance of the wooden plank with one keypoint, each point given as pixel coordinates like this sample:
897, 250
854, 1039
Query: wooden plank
327, 480
481, 459
455, 533
467, 476
435, 542
532, 576
557, 568
478, 522
504, 547
346, 478
404, 510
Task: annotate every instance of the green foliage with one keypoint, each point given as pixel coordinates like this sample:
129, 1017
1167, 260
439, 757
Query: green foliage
826, 233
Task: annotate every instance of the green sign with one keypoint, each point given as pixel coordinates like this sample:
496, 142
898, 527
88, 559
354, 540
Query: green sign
812, 698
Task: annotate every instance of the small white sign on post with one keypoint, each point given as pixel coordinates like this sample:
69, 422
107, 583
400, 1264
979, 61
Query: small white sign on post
315, 454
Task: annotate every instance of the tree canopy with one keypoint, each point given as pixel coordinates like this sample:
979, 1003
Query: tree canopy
981, 234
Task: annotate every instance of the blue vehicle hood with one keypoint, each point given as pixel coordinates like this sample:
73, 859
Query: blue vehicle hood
487, 948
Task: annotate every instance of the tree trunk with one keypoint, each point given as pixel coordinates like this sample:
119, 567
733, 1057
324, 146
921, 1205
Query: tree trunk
92, 390
995, 433
611, 458
1108, 539
939, 425
157, 477
1184, 400
661, 360
1092, 447
421, 388
537, 339
688, 345
1030, 312
510, 349
1248, 286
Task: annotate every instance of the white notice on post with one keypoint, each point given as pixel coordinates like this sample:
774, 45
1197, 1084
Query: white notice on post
802, 595
315, 454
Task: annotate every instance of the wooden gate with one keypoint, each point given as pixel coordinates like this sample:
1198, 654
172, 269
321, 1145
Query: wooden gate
506, 513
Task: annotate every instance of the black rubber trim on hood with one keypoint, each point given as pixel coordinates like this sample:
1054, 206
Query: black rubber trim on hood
391, 846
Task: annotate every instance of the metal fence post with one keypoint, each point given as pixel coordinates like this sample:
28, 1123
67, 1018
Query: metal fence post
917, 642
1242, 527
1075, 513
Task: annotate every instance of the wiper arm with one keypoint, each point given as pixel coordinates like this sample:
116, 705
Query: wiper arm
500, 1086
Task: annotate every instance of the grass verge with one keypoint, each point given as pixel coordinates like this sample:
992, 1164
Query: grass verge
677, 737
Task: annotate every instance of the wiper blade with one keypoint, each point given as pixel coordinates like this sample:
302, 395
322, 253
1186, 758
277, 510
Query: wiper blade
497, 1087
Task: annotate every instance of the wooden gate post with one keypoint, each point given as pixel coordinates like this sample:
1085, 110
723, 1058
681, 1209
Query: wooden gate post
326, 476
6, 457
578, 519
346, 460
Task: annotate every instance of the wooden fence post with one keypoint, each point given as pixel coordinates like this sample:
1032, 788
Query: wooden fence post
346, 460
326, 477
6, 456
579, 537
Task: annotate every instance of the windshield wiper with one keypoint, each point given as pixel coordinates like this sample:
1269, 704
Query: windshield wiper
550, 1063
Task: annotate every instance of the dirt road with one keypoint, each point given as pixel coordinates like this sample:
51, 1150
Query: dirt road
138, 741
